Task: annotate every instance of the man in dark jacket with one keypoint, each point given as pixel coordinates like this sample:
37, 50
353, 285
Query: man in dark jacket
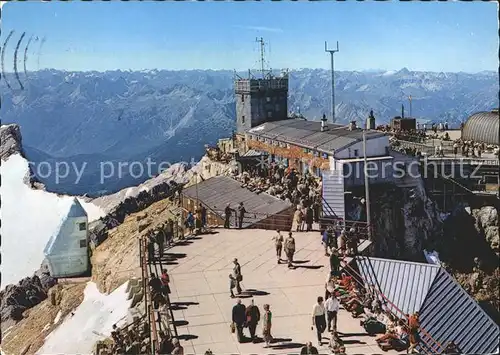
309, 218
227, 216
241, 215
239, 318
253, 318
160, 239
155, 283
334, 263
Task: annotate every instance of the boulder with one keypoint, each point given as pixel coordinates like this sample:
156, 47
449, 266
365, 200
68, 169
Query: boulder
30, 291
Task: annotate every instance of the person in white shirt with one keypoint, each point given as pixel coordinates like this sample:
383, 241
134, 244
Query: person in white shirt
332, 305
318, 318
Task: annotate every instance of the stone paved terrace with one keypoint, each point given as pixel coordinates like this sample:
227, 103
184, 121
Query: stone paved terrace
199, 282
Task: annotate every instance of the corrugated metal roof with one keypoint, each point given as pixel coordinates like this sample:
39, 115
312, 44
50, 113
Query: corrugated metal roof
218, 191
404, 283
482, 127
308, 134
252, 153
450, 314
447, 312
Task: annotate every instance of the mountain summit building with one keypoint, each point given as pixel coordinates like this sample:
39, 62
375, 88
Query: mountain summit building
67, 250
260, 100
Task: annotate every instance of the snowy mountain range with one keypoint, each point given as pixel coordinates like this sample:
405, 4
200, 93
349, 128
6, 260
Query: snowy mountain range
168, 116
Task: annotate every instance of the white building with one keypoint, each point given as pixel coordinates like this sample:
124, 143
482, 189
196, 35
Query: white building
67, 250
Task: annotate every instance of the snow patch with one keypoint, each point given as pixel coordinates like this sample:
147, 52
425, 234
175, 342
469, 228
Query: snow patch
92, 320
363, 88
257, 129
58, 317
29, 218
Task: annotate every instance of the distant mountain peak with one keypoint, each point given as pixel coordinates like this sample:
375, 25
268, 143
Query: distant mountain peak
403, 71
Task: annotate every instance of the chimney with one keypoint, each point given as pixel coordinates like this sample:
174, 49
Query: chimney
402, 111
323, 123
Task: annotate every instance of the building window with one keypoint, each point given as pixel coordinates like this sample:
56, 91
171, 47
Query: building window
356, 153
83, 243
269, 114
82, 226
268, 99
277, 107
243, 119
242, 98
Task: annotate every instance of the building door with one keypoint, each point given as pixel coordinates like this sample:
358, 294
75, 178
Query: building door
333, 195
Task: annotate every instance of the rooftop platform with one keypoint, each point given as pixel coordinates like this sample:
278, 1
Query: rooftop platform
200, 286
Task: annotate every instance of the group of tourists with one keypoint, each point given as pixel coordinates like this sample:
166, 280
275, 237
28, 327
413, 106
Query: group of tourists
196, 222
287, 244
286, 184
249, 317
469, 148
159, 237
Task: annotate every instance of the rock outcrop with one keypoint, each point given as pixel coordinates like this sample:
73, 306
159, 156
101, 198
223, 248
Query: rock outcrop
487, 226
10, 136
405, 222
30, 291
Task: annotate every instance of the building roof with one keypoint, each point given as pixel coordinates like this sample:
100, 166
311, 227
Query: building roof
482, 127
76, 210
446, 311
252, 153
308, 134
404, 283
450, 314
217, 192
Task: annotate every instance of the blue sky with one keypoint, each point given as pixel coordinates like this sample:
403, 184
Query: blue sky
436, 36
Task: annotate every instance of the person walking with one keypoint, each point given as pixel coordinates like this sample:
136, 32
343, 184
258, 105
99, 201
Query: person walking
237, 275
297, 219
278, 243
332, 305
290, 249
241, 215
266, 325
325, 240
239, 319
253, 318
309, 218
318, 319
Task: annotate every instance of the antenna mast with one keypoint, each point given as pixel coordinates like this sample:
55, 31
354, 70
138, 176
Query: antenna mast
332, 52
262, 48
